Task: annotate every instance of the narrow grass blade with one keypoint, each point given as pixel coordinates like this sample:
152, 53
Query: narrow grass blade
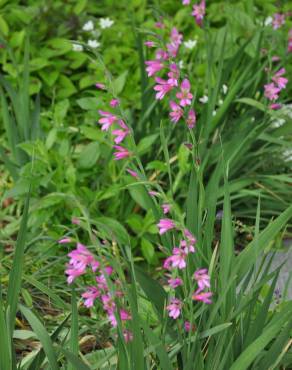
74, 345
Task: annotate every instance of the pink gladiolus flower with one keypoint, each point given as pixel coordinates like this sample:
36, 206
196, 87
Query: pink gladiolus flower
162, 88
202, 297
112, 319
153, 193
108, 303
100, 86
275, 106
178, 258
199, 11
159, 25
164, 225
114, 103
175, 41
188, 327
191, 239
64, 241
166, 208
167, 263
90, 295
125, 315
202, 278
121, 133
121, 152
153, 66
128, 335
191, 120
101, 282
187, 247
271, 91
75, 221
173, 75
108, 270
176, 113
174, 283
280, 81
184, 95
132, 173
80, 258
174, 308
149, 44
161, 54
107, 120
186, 2
278, 21
276, 58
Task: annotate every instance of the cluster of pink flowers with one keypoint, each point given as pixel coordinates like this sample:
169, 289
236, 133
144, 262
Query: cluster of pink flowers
178, 261
165, 63
81, 259
199, 11
121, 131
273, 89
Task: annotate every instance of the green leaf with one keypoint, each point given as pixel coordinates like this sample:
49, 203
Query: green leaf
89, 155
119, 83
89, 103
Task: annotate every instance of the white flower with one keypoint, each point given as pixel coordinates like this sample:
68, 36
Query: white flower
77, 47
88, 26
214, 113
190, 44
220, 102
278, 122
287, 155
181, 64
105, 23
268, 21
224, 89
93, 44
204, 99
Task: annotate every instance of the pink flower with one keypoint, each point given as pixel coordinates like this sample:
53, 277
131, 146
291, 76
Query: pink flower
187, 247
114, 103
128, 335
149, 44
271, 91
199, 11
275, 106
174, 283
186, 2
173, 75
108, 270
164, 225
174, 308
121, 133
132, 173
154, 66
162, 88
202, 278
278, 21
80, 258
121, 152
280, 81
178, 258
202, 297
175, 41
176, 113
108, 303
190, 236
64, 241
166, 208
90, 295
100, 86
107, 120
184, 95
188, 327
161, 54
125, 315
191, 120
101, 282
112, 319
75, 221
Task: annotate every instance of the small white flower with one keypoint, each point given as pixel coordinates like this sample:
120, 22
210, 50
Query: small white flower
287, 155
88, 26
204, 99
268, 21
190, 44
105, 23
93, 44
252, 119
224, 89
278, 122
77, 47
181, 64
220, 102
214, 113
